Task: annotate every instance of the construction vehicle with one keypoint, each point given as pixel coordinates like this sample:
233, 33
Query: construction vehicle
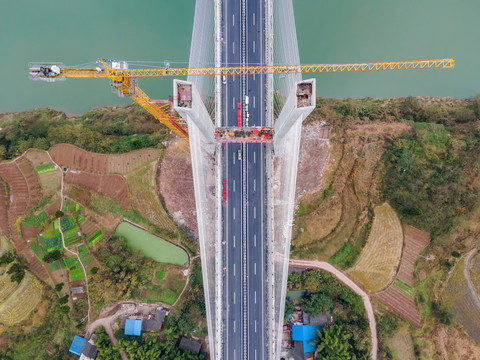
125, 79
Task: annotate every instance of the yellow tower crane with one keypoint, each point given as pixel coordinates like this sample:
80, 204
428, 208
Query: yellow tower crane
125, 80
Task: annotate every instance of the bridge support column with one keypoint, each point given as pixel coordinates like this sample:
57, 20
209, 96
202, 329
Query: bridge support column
189, 104
288, 128
300, 103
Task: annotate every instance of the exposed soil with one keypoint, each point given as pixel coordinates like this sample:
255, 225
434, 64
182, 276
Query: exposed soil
72, 157
113, 186
29, 232
125, 163
175, 183
453, 344
415, 241
400, 302
312, 158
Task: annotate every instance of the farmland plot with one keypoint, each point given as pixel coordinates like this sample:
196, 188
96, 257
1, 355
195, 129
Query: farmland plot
4, 201
462, 302
18, 200
32, 179
50, 178
378, 262
126, 163
142, 184
113, 186
17, 306
400, 295
72, 157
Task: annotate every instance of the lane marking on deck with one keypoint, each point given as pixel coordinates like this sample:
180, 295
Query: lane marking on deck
255, 268
254, 157
233, 240
254, 185
234, 269
255, 296
234, 297
253, 19
254, 212
255, 240
233, 185
233, 20
253, 45
233, 47
233, 213
254, 98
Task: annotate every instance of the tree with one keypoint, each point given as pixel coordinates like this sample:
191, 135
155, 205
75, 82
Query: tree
332, 343
52, 256
17, 272
63, 300
289, 308
59, 286
59, 214
7, 258
317, 303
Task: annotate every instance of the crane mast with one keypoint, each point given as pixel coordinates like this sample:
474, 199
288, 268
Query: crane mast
125, 80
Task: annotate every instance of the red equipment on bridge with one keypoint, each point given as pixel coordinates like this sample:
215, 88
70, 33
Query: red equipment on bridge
244, 135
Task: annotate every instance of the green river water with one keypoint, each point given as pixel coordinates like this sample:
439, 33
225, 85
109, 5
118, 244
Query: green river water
328, 31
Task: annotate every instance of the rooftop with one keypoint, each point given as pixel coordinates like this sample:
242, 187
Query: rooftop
188, 344
133, 327
77, 346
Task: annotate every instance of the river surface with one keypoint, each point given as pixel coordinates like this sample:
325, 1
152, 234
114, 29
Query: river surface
328, 31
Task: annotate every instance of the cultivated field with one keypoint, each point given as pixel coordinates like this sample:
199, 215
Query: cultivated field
328, 218
18, 302
113, 186
10, 173
4, 202
462, 302
126, 163
400, 295
141, 184
378, 261
32, 179
72, 157
50, 180
415, 241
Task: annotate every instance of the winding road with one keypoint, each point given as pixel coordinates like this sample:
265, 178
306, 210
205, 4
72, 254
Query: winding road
315, 264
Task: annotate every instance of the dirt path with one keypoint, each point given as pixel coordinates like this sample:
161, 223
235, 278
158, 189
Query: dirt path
344, 279
466, 272
63, 240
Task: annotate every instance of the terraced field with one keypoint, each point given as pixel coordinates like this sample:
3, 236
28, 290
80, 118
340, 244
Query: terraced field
142, 184
400, 295
16, 305
126, 163
378, 262
70, 156
113, 186
50, 180
462, 302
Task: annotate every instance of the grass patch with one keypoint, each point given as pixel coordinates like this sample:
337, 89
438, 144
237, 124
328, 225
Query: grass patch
43, 216
42, 169
77, 274
346, 256
50, 244
161, 272
168, 297
36, 249
66, 224
56, 265
71, 232
32, 220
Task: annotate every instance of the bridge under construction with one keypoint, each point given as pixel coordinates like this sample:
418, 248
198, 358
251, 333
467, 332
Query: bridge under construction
243, 123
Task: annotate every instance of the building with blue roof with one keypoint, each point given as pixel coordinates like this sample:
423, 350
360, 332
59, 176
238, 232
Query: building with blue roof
303, 336
133, 327
77, 345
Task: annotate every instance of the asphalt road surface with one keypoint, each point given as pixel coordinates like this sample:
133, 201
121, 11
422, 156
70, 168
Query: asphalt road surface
244, 178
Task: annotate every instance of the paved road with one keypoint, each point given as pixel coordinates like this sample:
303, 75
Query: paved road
315, 264
244, 173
